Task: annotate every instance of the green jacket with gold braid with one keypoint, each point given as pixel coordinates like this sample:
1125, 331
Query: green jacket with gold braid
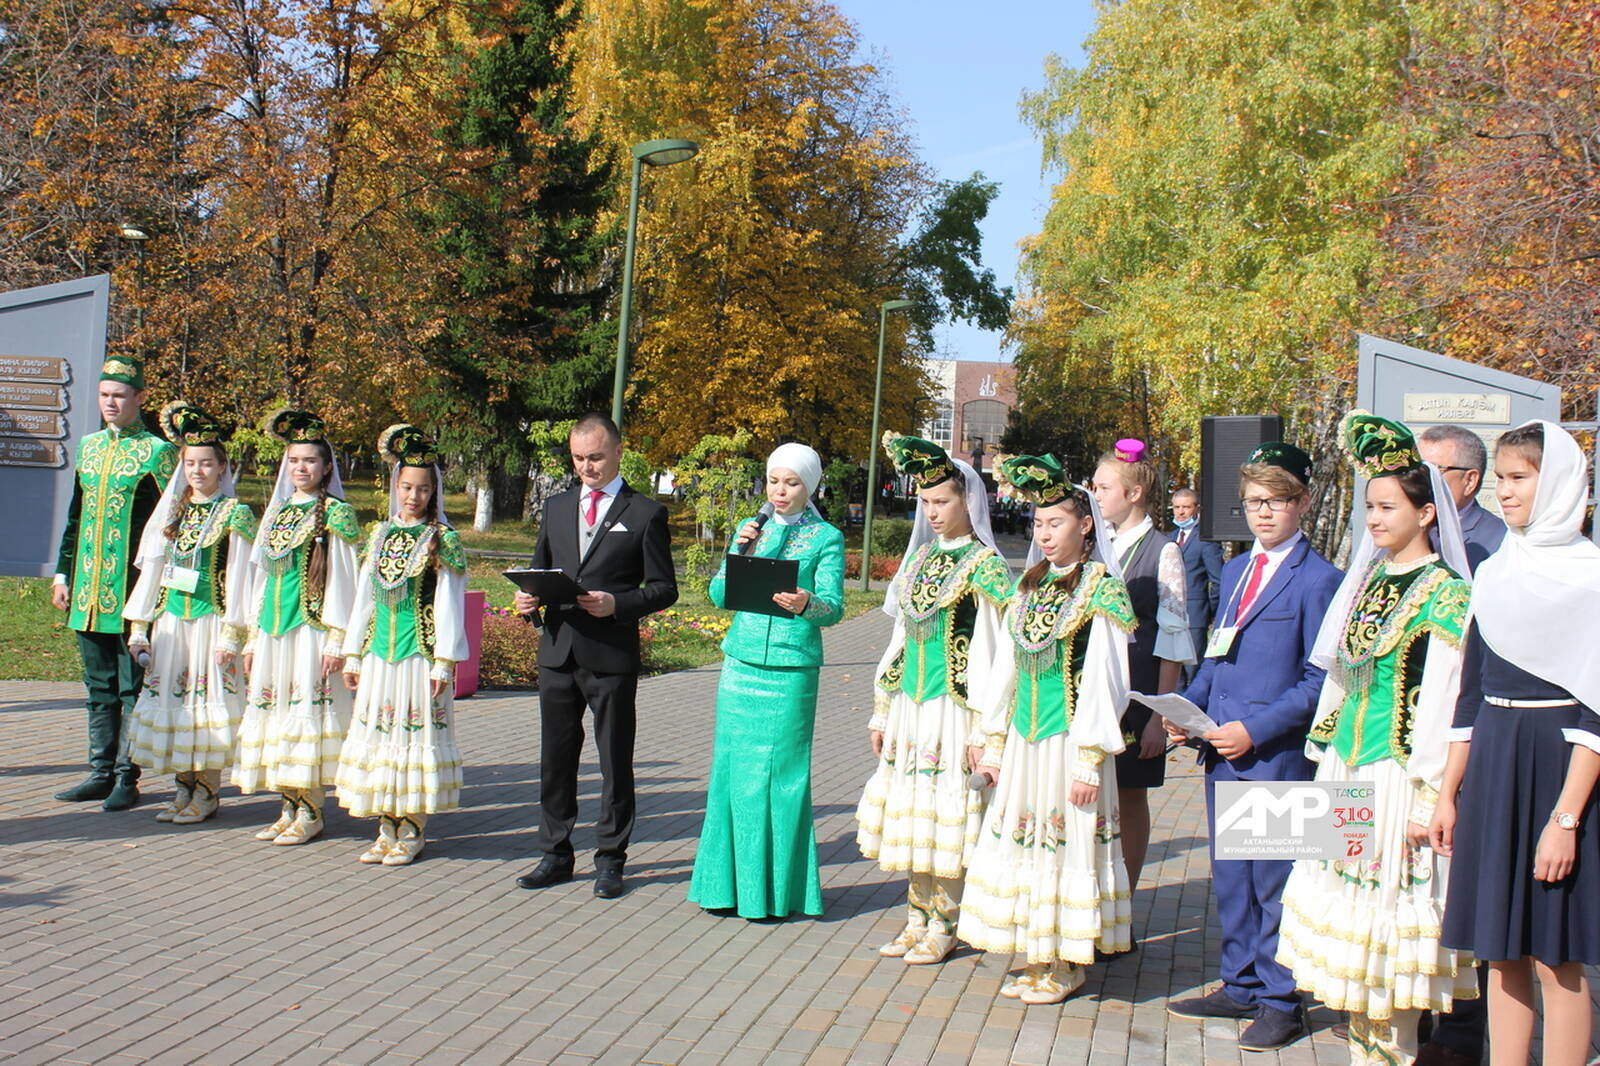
121, 475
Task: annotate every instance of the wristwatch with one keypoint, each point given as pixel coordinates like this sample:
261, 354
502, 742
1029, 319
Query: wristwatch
1564, 820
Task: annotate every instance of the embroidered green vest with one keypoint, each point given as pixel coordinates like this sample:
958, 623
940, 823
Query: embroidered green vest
289, 601
1381, 656
202, 544
939, 607
110, 465
403, 584
1050, 628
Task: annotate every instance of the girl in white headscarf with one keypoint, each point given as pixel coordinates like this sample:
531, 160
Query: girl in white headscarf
407, 631
189, 612
1517, 806
758, 845
917, 814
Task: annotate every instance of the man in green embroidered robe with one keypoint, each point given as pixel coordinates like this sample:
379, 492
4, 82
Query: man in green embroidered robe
121, 472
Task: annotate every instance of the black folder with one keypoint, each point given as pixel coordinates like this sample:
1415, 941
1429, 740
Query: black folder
751, 581
553, 587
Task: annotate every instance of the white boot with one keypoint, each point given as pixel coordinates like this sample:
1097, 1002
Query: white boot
203, 802
409, 844
285, 818
182, 792
307, 825
384, 844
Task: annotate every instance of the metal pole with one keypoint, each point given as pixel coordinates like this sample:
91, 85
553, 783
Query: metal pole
872, 459
627, 298
138, 308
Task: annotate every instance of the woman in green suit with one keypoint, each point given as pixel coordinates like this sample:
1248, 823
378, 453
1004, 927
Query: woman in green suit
758, 846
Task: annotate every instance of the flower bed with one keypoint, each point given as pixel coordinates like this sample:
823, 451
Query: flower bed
668, 640
883, 566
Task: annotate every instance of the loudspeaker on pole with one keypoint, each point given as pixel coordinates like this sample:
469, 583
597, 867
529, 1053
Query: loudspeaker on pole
1226, 441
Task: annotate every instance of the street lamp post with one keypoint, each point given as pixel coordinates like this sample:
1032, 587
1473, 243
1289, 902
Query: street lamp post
656, 154
138, 236
872, 443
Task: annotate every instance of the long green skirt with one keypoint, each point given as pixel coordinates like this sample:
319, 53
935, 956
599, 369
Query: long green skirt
758, 846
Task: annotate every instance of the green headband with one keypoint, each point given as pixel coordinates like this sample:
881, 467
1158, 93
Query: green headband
1378, 446
408, 446
1037, 479
185, 424
923, 461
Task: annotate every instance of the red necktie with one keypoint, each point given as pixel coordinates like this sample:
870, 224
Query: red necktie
594, 507
1251, 588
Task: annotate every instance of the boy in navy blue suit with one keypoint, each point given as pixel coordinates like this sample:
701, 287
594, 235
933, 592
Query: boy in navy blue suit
1258, 686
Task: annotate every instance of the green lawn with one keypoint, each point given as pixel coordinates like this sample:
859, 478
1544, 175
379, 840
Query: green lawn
35, 644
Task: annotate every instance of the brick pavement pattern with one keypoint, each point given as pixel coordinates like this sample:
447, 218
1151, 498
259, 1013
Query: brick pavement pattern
125, 940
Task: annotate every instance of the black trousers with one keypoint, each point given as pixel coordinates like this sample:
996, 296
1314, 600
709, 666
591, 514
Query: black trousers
563, 693
113, 680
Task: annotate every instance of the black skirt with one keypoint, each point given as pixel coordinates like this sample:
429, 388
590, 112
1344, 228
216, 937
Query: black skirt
1132, 771
1494, 907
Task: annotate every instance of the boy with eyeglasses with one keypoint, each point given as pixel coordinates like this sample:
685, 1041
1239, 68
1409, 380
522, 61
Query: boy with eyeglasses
1257, 685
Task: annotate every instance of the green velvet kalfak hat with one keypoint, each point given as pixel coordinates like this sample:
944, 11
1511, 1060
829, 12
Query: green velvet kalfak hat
1037, 479
185, 424
408, 446
923, 461
1378, 446
128, 369
294, 427
1285, 457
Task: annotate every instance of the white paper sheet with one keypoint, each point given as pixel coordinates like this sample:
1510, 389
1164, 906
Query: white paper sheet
1179, 711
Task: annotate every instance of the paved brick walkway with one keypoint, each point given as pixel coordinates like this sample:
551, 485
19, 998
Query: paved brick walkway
125, 940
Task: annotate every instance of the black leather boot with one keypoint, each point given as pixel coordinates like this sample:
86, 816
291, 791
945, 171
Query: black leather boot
93, 787
124, 794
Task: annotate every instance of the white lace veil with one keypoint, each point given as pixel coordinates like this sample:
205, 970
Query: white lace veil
153, 541
1452, 548
976, 495
282, 489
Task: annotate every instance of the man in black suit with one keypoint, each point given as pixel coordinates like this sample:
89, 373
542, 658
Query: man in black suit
615, 543
1202, 570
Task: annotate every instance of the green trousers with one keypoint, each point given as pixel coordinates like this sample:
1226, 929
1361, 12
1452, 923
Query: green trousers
113, 679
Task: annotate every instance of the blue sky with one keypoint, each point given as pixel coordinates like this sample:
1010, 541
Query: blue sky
960, 67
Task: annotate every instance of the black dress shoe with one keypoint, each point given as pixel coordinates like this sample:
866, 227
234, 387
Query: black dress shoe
1273, 1029
548, 872
1214, 1004
608, 882
91, 788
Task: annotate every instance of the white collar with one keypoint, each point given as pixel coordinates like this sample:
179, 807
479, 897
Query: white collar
788, 519
1133, 532
952, 543
1281, 552
610, 488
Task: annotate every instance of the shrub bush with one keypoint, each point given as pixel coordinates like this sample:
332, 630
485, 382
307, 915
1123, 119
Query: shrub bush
883, 566
890, 536
509, 656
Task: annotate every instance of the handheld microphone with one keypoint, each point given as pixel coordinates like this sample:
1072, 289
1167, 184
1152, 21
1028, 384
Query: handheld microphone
978, 782
761, 519
142, 658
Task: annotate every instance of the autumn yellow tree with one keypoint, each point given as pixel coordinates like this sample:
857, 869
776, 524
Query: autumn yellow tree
762, 263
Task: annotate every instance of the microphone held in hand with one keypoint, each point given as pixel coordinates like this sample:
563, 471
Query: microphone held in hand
142, 657
760, 520
979, 781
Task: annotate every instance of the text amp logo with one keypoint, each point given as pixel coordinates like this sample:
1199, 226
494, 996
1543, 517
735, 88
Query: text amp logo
1291, 819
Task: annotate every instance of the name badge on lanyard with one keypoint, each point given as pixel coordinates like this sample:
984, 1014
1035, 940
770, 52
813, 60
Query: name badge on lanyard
180, 578
1221, 642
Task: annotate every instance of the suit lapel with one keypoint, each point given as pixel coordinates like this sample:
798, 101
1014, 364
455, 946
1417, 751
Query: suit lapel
1280, 580
562, 514
614, 514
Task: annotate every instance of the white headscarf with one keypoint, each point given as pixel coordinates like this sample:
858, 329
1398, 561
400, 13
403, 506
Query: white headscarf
282, 489
976, 494
153, 541
1452, 548
1534, 599
804, 462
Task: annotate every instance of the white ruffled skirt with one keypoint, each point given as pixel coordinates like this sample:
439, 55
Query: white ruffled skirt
1363, 935
1047, 879
295, 719
916, 814
400, 756
189, 709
